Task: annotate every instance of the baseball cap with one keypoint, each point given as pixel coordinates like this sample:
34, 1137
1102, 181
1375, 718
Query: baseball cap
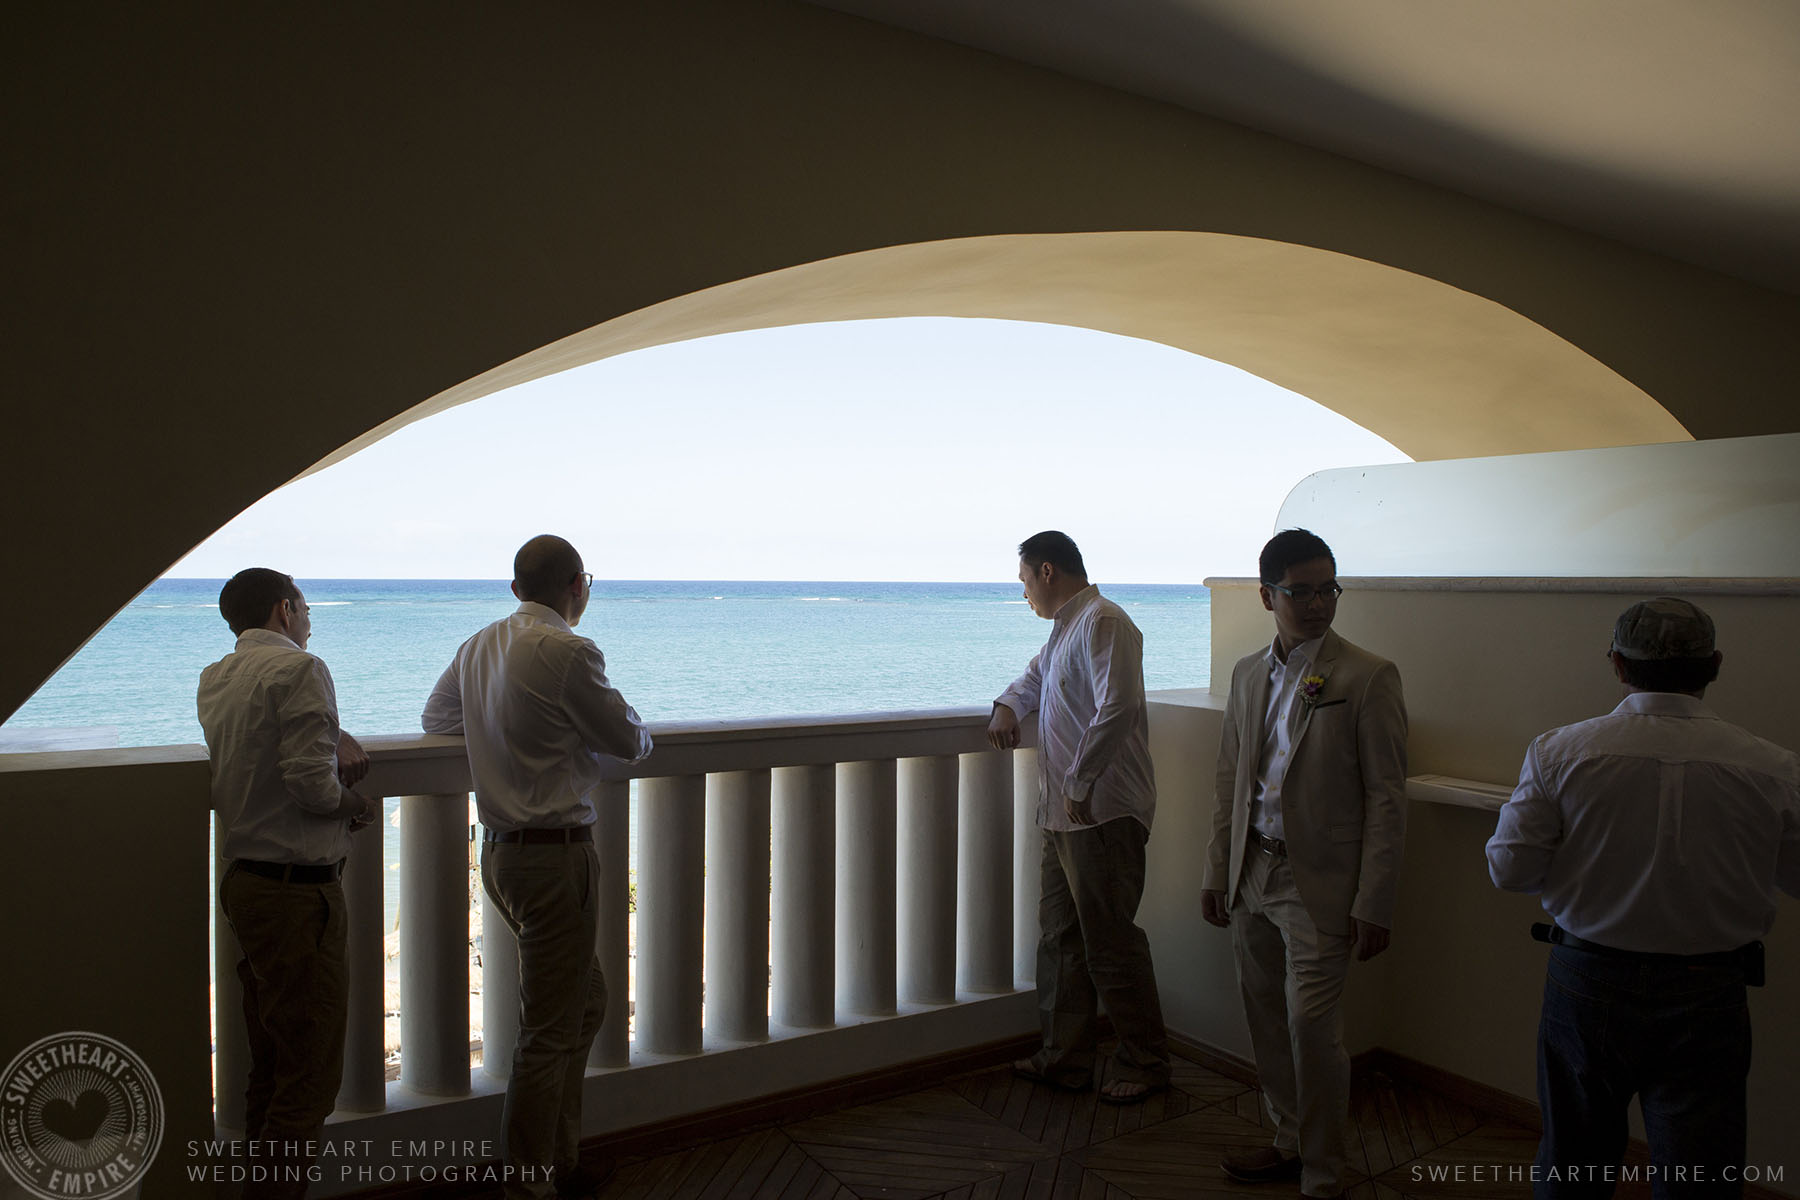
1663, 628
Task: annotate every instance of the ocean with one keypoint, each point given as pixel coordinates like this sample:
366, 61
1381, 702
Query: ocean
676, 649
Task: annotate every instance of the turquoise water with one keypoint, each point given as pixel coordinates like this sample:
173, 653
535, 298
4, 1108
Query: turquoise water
677, 650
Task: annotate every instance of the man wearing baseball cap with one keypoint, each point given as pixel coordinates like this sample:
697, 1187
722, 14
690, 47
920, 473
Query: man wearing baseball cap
1657, 836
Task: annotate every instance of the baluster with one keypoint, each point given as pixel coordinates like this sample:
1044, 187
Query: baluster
984, 926
364, 1087
499, 990
927, 837
231, 1048
612, 942
434, 944
1028, 844
865, 887
737, 905
804, 898
671, 906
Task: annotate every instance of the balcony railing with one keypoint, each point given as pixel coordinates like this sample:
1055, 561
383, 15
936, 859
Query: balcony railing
794, 877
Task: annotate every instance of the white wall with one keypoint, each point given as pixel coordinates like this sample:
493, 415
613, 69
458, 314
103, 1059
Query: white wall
1723, 508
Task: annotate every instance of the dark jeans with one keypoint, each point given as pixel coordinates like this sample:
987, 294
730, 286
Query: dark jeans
1677, 1035
1091, 951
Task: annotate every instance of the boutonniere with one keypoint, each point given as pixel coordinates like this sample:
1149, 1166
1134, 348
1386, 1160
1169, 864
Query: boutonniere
1311, 687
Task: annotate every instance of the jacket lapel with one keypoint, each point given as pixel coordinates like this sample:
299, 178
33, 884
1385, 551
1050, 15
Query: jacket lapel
1255, 728
1328, 653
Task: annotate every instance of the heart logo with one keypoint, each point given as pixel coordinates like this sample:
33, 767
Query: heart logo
79, 1121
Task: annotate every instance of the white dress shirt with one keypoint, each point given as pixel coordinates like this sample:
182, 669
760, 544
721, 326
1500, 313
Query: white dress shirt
269, 712
530, 697
1280, 720
1087, 687
1657, 828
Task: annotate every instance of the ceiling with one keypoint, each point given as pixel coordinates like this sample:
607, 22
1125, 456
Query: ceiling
1673, 125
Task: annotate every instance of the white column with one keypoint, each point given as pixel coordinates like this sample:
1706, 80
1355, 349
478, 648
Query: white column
231, 1043
1027, 852
865, 887
671, 908
499, 989
804, 897
612, 942
984, 923
364, 1087
434, 944
927, 836
737, 905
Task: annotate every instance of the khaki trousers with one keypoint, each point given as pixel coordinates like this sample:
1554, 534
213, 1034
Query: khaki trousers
296, 1000
1091, 952
548, 895
1292, 978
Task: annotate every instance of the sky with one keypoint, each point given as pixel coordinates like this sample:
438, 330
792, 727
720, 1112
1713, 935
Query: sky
909, 449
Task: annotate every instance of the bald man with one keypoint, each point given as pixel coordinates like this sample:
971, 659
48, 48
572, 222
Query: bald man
530, 697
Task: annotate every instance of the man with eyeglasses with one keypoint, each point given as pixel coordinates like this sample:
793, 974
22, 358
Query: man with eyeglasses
531, 699
1305, 855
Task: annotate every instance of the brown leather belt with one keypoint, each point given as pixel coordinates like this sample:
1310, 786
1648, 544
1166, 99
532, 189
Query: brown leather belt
1267, 844
536, 837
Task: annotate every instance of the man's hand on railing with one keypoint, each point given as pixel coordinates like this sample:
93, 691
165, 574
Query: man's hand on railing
352, 760
1003, 728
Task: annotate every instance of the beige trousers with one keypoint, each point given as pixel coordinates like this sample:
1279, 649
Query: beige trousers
548, 894
1292, 979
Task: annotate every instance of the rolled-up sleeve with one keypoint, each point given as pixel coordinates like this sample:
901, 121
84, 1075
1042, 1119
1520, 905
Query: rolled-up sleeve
1022, 695
443, 708
1528, 833
599, 713
1116, 662
309, 738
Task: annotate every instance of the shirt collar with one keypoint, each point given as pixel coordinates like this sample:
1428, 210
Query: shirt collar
544, 613
1306, 652
1072, 607
266, 637
1663, 704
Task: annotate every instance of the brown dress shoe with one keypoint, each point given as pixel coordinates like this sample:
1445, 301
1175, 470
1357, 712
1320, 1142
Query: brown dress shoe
1265, 1164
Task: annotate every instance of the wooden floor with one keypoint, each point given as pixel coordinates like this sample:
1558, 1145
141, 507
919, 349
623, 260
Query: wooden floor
989, 1134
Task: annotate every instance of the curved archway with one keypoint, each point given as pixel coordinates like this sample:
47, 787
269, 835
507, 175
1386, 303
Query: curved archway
1437, 371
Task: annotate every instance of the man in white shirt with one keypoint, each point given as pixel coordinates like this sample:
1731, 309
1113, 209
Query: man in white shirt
1096, 799
282, 774
1658, 836
531, 699
1305, 855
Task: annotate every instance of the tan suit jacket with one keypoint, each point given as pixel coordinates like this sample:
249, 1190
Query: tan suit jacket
1344, 798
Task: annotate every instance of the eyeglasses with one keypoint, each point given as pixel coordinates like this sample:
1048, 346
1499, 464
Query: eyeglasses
1306, 595
586, 577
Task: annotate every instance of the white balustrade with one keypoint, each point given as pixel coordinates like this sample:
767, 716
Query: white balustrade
927, 846
803, 898
671, 913
984, 879
737, 905
231, 1042
865, 887
792, 872
434, 944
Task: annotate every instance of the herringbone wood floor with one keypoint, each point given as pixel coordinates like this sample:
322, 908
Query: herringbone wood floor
989, 1134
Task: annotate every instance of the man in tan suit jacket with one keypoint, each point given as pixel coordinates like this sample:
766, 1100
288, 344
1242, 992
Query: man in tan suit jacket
1305, 854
